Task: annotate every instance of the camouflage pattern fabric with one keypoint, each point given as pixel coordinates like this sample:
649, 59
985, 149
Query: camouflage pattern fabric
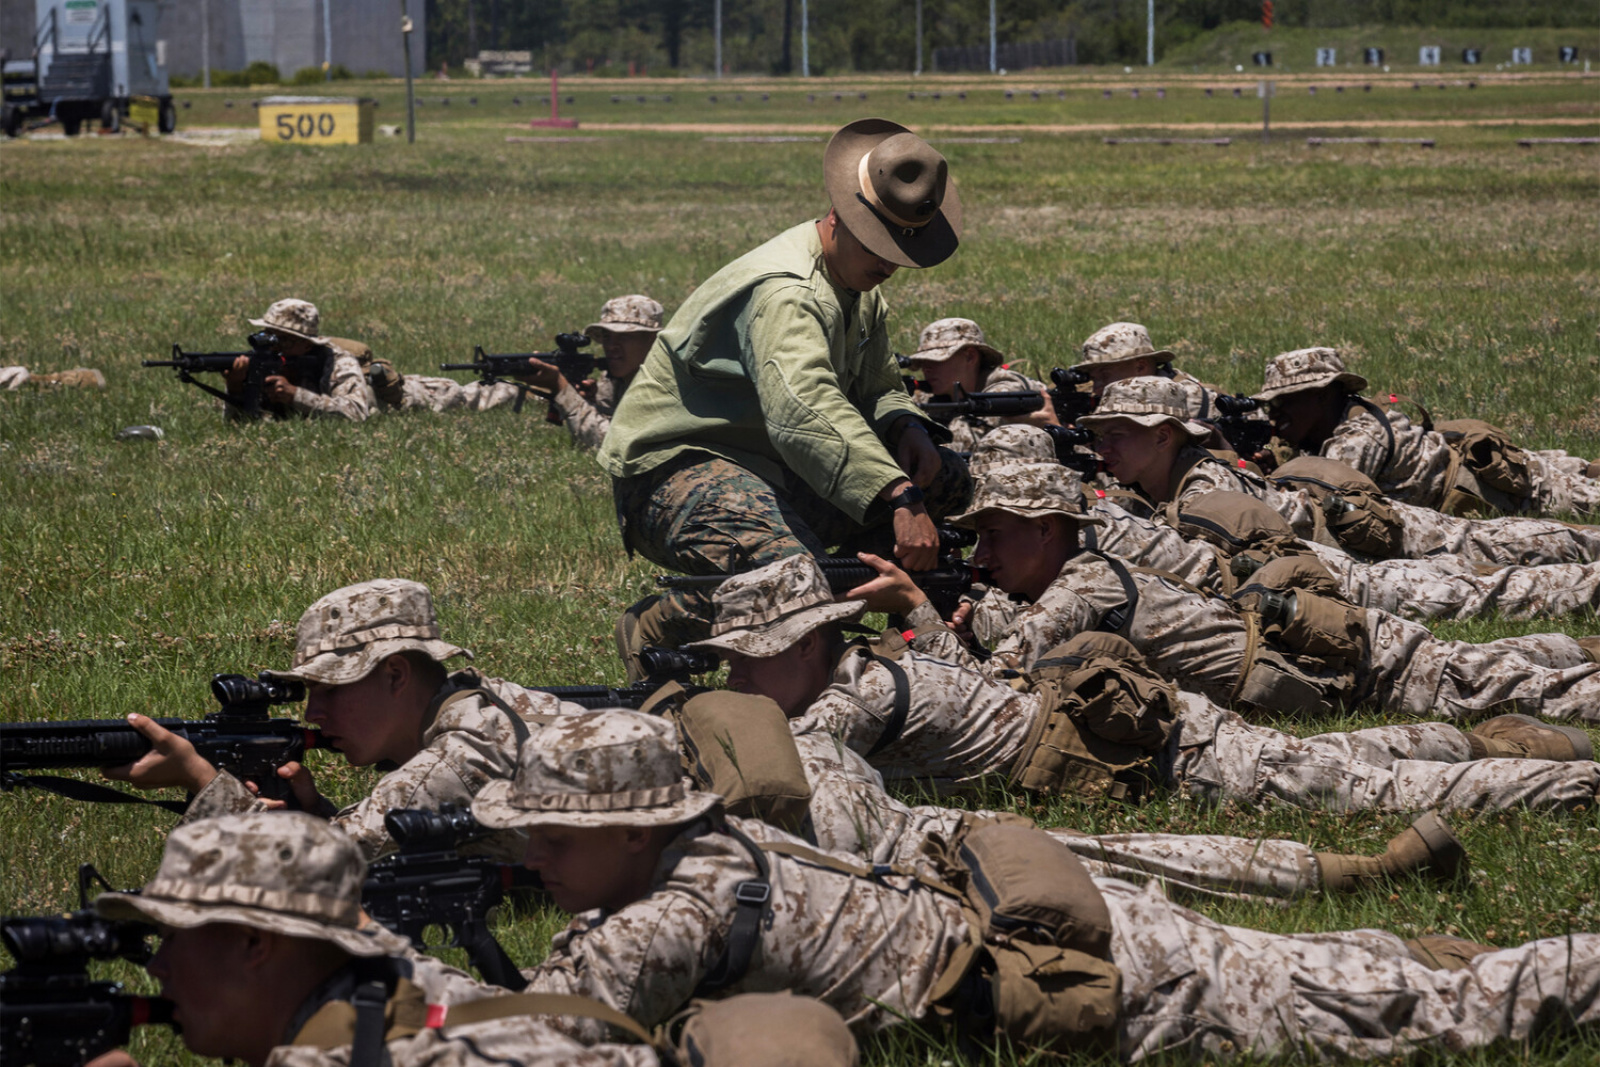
466, 746
1412, 671
871, 949
13, 377
517, 1039
1191, 983
708, 516
1502, 540
421, 393
1146, 401
588, 422
298, 317
967, 430
1119, 343
1446, 587
942, 339
635, 313
1204, 473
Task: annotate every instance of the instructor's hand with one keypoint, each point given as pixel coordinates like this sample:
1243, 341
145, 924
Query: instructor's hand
916, 539
917, 456
892, 591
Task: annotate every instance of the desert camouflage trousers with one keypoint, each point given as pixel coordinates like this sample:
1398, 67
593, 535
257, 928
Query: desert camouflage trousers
1446, 587
14, 377
1425, 533
1411, 671
1558, 490
1408, 768
1209, 865
700, 514
446, 394
1189, 982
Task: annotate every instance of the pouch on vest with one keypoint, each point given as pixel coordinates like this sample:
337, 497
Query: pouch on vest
1306, 625
740, 746
1104, 716
1041, 950
1357, 514
1488, 452
1273, 682
770, 1029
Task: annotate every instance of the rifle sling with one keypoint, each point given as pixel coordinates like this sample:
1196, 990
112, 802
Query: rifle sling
371, 996
1119, 617
1383, 420
744, 934
73, 789
477, 1011
902, 706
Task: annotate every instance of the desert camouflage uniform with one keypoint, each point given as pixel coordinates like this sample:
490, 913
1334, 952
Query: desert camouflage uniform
349, 394
470, 743
967, 430
1201, 640
421, 393
586, 422
875, 948
946, 338
1413, 466
1426, 532
13, 377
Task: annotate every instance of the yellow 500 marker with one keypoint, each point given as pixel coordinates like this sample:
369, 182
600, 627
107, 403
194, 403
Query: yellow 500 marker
317, 119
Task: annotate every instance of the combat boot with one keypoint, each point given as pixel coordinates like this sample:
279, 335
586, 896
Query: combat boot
1524, 737
649, 622
1427, 847
1440, 952
1591, 647
387, 383
82, 377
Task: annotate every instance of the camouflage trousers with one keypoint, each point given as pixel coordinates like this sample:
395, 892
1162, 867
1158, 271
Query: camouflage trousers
1446, 587
701, 514
13, 377
1408, 768
1557, 490
1426, 533
419, 393
1209, 865
1191, 983
1409, 670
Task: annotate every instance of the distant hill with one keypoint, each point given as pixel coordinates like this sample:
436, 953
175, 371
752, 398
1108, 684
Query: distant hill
1295, 48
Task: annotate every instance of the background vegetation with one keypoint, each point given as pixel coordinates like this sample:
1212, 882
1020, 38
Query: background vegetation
1465, 276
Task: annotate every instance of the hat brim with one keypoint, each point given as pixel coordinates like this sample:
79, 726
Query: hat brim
370, 940
927, 246
494, 807
1159, 355
769, 639
1354, 381
1198, 430
968, 519
265, 325
991, 357
352, 665
618, 327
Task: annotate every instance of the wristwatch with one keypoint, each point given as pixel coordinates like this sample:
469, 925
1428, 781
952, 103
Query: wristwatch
906, 498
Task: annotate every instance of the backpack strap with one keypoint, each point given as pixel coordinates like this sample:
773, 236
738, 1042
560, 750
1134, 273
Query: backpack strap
902, 705
1118, 617
1426, 422
744, 934
368, 1047
1383, 420
477, 1011
463, 685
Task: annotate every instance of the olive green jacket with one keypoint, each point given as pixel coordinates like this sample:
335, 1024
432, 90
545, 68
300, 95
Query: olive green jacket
771, 366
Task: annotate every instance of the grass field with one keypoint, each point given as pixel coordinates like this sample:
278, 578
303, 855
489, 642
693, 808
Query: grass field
1466, 276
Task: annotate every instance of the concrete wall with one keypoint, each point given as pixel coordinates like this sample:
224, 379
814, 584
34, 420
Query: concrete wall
288, 33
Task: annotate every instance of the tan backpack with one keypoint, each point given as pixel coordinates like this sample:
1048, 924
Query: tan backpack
1488, 452
739, 746
1357, 514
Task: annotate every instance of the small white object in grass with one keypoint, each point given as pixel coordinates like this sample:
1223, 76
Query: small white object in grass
1238, 68
140, 433
390, 129
1127, 70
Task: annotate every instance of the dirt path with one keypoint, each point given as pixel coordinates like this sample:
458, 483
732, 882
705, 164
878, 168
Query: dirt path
1087, 127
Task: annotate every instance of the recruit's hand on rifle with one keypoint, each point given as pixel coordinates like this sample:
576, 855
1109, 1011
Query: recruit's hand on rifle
1045, 416
543, 377
305, 789
892, 591
172, 761
236, 374
278, 389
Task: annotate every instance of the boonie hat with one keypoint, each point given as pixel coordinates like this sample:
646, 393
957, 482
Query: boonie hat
1119, 343
1015, 442
765, 611
627, 314
288, 872
1306, 368
893, 191
298, 317
602, 768
1147, 402
345, 635
1028, 490
943, 339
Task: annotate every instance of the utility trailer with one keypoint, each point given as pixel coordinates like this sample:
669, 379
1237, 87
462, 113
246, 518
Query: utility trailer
89, 59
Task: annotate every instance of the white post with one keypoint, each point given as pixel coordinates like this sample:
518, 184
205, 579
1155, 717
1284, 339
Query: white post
205, 43
327, 40
992, 66
805, 40
919, 38
1150, 36
717, 20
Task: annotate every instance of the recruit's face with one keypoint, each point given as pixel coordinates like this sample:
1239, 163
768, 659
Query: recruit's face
1297, 416
581, 867
201, 970
1131, 452
964, 369
1102, 375
1022, 555
360, 718
786, 678
625, 351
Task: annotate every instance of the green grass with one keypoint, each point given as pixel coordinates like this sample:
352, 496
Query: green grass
1465, 276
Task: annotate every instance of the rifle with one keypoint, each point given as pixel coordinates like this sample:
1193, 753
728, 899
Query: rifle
495, 367
430, 883
1071, 403
944, 585
266, 360
1067, 439
51, 1014
1249, 437
1067, 401
661, 665
241, 738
